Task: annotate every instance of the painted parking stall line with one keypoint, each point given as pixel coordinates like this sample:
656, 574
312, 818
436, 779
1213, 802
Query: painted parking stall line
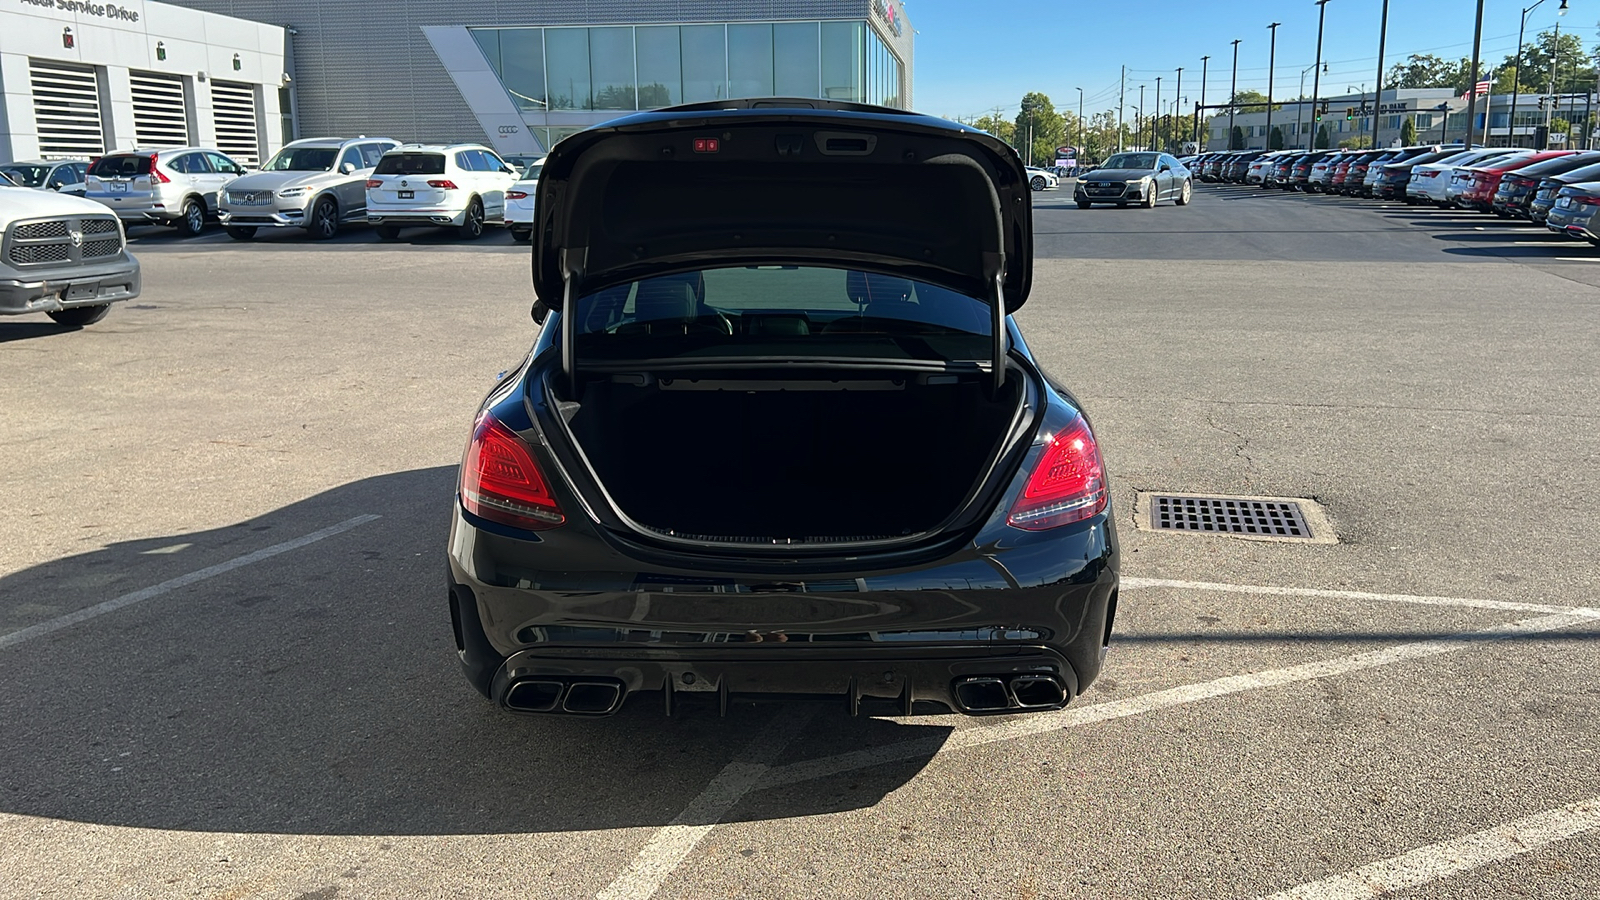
673, 843
1436, 862
172, 584
1041, 723
1419, 599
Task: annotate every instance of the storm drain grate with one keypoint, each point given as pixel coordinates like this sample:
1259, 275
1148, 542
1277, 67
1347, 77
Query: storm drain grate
1229, 515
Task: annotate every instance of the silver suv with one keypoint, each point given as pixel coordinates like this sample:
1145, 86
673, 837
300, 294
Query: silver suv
175, 187
315, 183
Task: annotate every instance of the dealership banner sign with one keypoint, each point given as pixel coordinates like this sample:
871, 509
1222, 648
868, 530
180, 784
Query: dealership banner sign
87, 8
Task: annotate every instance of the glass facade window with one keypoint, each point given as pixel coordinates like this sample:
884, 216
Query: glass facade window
844, 53
750, 61
632, 67
705, 63
660, 66
1424, 120
567, 62
796, 60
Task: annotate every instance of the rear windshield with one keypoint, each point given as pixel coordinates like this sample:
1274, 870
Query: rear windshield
25, 175
411, 164
782, 311
532, 173
121, 166
302, 159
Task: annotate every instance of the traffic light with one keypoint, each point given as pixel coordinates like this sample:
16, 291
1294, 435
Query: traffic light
1324, 108
1349, 113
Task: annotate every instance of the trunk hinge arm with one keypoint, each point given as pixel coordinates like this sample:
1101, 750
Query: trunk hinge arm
998, 324
572, 260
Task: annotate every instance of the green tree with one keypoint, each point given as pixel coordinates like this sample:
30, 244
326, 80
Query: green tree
1322, 138
1424, 70
1000, 128
1236, 139
1408, 131
1252, 102
1574, 68
1038, 118
1275, 140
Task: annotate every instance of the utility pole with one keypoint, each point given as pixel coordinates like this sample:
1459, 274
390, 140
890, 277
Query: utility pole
1155, 141
1316, 75
1555, 54
1138, 115
1472, 81
1205, 63
1233, 93
1081, 130
1122, 94
1272, 62
1377, 90
1177, 121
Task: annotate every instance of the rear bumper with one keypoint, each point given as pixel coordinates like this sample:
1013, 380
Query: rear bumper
436, 217
1043, 607
50, 291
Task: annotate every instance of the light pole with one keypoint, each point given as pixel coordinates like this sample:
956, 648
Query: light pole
1555, 55
1377, 86
1316, 71
1081, 130
1157, 120
1272, 63
1472, 80
1205, 63
1138, 115
1361, 121
1122, 94
1178, 93
1516, 79
1300, 105
1233, 93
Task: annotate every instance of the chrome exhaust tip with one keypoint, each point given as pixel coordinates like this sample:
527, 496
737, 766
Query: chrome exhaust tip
982, 693
592, 698
1037, 691
587, 697
534, 696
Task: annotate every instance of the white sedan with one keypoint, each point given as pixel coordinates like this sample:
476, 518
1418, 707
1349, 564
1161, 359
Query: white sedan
1040, 179
519, 202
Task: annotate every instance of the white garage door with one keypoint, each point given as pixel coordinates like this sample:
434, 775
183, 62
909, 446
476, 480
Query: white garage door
234, 108
66, 109
160, 115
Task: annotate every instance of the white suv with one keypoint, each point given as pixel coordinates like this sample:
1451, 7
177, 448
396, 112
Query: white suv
458, 185
175, 187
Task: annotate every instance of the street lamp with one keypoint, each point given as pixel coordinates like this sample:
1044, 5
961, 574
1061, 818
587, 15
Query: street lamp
1176, 119
1300, 107
1205, 64
1316, 73
1080, 120
1272, 64
1157, 120
1233, 94
1516, 80
1377, 86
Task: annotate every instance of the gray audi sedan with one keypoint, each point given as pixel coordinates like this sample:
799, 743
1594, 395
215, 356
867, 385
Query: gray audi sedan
1142, 177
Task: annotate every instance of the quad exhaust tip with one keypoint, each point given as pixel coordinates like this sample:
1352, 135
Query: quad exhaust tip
585, 697
978, 694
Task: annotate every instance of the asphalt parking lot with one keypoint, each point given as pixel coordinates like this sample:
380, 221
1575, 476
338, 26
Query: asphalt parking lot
228, 668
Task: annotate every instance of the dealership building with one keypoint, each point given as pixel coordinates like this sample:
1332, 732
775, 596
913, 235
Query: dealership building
518, 75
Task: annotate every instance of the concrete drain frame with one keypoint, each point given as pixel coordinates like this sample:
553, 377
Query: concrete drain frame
1291, 520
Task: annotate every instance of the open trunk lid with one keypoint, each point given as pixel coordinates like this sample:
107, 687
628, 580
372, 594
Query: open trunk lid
784, 181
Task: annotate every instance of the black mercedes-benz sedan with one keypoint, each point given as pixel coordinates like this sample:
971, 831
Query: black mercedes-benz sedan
779, 435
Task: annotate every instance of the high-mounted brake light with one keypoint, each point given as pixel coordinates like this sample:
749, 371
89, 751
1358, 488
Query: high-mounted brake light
516, 195
501, 482
1067, 485
445, 183
156, 173
374, 182
707, 145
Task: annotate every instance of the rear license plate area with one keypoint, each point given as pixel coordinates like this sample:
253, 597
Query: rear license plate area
119, 187
408, 195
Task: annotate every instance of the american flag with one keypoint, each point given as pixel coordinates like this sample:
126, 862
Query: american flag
1482, 87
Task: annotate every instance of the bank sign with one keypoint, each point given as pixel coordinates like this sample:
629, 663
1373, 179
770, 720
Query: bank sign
888, 14
86, 8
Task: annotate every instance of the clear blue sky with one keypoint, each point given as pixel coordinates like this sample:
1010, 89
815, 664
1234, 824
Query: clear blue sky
972, 57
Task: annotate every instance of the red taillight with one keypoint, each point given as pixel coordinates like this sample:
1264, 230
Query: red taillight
374, 182
442, 183
501, 482
1067, 485
516, 195
156, 173
1586, 201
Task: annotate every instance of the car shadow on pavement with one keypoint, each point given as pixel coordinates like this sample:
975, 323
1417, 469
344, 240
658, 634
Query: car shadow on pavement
351, 237
1531, 252
317, 692
26, 330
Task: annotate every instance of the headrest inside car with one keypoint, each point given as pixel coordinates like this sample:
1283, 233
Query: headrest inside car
870, 287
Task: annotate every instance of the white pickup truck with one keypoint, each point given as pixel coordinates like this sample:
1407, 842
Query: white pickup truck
63, 256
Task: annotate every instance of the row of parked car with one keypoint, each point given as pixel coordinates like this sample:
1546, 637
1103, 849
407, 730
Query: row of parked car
1559, 189
315, 184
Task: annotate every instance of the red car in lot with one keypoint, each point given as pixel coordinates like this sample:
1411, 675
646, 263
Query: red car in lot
1485, 180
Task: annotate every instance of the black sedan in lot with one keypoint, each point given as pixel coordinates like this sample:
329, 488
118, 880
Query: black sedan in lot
1576, 213
808, 453
1515, 194
1545, 196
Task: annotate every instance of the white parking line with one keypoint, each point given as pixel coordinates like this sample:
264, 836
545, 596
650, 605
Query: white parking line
1437, 862
1076, 717
1424, 600
678, 839
172, 584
